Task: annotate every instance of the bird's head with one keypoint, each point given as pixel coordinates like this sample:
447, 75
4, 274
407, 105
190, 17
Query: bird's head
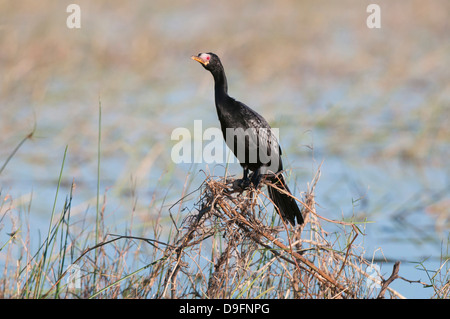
210, 61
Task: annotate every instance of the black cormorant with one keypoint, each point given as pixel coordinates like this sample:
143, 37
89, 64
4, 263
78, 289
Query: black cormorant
251, 139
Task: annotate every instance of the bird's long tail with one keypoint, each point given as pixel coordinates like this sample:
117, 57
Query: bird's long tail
286, 204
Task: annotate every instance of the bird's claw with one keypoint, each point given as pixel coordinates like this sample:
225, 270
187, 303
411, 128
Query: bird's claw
242, 184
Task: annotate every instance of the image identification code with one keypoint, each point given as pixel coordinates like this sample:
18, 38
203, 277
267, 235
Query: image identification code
243, 308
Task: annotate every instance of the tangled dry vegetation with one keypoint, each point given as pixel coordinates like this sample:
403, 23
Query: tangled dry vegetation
253, 257
231, 245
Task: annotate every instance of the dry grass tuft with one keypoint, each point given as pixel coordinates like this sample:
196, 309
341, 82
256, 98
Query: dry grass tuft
252, 257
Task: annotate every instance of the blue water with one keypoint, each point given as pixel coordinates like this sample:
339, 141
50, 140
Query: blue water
353, 121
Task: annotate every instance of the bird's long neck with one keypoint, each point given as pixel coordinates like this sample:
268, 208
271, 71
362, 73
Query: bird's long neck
220, 84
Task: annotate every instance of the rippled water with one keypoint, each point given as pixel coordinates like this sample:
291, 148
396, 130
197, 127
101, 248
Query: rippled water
375, 111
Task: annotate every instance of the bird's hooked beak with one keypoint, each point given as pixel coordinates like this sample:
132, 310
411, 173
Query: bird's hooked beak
200, 59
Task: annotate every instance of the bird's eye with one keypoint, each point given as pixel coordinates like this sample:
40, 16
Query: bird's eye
208, 57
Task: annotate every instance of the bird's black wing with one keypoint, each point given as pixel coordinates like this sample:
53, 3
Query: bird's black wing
250, 137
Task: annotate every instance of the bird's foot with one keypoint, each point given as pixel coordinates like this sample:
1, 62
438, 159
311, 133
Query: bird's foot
255, 179
241, 184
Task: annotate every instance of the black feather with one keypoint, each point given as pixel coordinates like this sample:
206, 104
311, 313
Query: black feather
285, 203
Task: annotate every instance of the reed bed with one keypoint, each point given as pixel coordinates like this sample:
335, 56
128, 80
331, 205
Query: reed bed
229, 244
